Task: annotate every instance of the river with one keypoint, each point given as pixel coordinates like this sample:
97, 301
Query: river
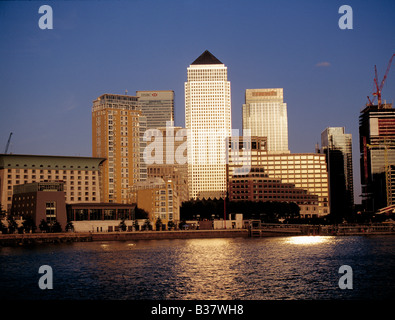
275, 268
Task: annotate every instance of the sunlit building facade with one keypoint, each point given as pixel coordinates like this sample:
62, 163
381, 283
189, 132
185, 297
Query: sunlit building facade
208, 122
284, 176
157, 106
265, 115
171, 163
80, 175
158, 198
116, 136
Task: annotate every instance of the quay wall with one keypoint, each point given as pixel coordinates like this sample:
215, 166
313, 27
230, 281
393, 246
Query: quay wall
180, 234
7, 240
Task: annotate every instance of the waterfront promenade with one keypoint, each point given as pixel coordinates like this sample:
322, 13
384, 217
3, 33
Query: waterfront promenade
263, 230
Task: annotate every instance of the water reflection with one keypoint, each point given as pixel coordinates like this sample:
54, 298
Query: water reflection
308, 240
254, 268
207, 269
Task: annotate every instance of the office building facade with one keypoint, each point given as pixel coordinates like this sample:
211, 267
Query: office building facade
40, 201
208, 123
157, 106
377, 150
258, 186
265, 115
306, 171
158, 198
337, 147
80, 175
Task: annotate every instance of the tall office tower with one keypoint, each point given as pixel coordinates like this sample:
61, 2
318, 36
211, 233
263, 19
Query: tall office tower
337, 146
116, 137
377, 148
208, 122
265, 114
143, 145
157, 106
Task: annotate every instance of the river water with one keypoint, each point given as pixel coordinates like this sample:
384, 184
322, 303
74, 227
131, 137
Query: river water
278, 268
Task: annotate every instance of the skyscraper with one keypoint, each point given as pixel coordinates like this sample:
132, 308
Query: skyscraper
337, 146
377, 147
116, 137
208, 123
265, 114
157, 106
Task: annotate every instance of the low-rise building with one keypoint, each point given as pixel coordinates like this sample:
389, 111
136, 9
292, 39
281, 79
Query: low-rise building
40, 201
101, 217
79, 175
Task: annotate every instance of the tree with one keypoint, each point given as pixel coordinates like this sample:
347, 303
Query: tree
170, 225
182, 224
56, 227
12, 225
122, 225
3, 212
29, 225
3, 228
147, 224
43, 226
69, 226
158, 224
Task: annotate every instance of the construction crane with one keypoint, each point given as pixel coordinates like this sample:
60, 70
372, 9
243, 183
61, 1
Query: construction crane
379, 88
8, 143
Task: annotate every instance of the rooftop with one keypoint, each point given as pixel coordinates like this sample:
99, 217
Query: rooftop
207, 58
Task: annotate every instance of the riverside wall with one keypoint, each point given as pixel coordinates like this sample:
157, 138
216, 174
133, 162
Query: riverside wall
7, 240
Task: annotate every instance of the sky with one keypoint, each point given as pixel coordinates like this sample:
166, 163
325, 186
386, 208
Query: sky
50, 77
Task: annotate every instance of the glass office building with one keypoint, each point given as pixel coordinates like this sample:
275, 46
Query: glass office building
208, 123
337, 147
265, 114
157, 106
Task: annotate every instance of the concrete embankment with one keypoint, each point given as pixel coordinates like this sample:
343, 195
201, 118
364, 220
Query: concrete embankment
157, 235
7, 240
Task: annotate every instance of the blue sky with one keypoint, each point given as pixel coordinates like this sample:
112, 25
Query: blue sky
49, 78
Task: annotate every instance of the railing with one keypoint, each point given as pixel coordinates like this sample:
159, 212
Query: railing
348, 229
259, 229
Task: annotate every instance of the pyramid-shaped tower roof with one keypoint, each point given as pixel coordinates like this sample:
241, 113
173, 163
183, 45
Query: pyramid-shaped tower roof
207, 58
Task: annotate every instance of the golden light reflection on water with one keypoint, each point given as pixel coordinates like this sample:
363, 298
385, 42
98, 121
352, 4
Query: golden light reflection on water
308, 240
209, 267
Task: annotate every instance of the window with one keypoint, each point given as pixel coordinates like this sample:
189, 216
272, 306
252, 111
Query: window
50, 211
